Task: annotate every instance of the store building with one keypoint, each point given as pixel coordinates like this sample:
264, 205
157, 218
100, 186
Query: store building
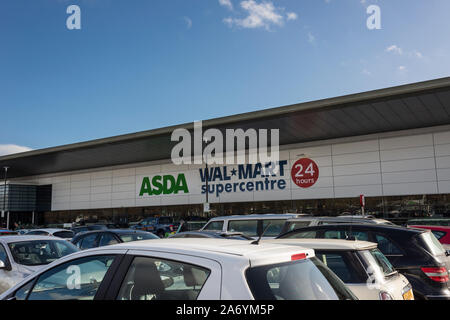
390, 145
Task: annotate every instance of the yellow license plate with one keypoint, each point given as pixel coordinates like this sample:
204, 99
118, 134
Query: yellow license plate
408, 295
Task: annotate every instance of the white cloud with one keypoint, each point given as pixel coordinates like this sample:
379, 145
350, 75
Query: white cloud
417, 54
311, 38
6, 149
394, 49
226, 3
259, 15
291, 16
188, 22
366, 72
401, 68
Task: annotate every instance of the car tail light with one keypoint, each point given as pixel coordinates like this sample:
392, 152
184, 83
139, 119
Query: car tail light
385, 296
437, 274
299, 256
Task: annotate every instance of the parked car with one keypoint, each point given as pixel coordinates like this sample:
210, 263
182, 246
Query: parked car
161, 226
361, 266
252, 225
441, 233
100, 238
186, 269
301, 222
211, 234
22, 231
20, 256
429, 222
6, 232
60, 233
415, 253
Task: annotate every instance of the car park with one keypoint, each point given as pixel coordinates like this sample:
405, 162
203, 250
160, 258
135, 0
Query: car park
253, 225
211, 234
20, 256
52, 232
415, 253
310, 221
361, 266
186, 269
100, 238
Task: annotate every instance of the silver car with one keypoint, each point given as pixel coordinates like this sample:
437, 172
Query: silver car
21, 256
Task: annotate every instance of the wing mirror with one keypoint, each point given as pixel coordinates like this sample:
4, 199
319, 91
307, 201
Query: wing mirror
2, 265
447, 253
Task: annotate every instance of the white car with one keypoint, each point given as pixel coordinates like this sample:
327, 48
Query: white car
252, 225
21, 256
185, 269
360, 265
52, 232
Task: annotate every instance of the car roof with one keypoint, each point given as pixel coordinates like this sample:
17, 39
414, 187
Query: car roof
117, 231
367, 226
50, 230
256, 216
434, 228
23, 238
328, 244
261, 254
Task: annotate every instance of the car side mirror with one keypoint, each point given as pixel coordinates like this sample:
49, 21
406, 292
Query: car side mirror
447, 253
2, 265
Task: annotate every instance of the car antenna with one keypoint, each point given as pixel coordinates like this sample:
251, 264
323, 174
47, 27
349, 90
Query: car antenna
261, 235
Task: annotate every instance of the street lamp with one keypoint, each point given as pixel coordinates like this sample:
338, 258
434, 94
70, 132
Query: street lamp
4, 198
206, 175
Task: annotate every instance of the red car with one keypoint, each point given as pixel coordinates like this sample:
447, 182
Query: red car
441, 233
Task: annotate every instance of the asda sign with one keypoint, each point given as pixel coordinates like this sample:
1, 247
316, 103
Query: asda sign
164, 185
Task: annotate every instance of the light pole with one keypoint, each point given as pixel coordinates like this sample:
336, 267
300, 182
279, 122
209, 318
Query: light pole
4, 198
207, 176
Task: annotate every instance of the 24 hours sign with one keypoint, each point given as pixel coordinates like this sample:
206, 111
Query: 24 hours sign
305, 173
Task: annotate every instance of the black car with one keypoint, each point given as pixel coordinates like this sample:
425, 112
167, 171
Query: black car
93, 227
415, 253
100, 238
211, 234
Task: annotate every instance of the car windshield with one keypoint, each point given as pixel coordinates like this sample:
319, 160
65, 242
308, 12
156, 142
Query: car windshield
307, 279
377, 264
64, 234
128, 237
40, 252
432, 244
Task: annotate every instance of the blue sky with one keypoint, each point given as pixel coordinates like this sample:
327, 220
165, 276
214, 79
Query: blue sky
143, 64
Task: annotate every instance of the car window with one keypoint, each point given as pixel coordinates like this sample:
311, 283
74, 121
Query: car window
75, 280
300, 235
247, 227
64, 234
432, 244
387, 246
127, 237
344, 234
90, 241
3, 255
107, 239
306, 279
298, 224
38, 233
339, 265
275, 227
165, 220
22, 292
214, 225
40, 252
439, 234
158, 279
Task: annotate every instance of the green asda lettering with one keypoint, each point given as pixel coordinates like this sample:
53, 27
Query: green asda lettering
164, 185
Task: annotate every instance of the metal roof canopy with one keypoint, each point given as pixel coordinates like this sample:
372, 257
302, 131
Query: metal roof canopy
417, 105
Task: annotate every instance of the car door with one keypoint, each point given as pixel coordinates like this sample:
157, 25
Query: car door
150, 275
84, 277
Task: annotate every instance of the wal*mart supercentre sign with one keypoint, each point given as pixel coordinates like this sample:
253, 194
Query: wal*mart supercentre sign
231, 182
